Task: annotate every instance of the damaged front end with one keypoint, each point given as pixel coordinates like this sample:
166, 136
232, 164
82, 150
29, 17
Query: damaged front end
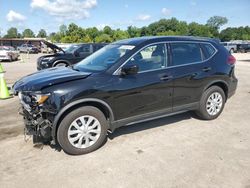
38, 120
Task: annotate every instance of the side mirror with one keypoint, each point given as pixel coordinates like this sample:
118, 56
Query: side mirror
129, 70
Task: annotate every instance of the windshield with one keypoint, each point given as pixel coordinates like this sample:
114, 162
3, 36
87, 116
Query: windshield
103, 58
71, 49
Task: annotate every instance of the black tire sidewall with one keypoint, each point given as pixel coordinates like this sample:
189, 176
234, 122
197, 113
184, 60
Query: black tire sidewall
62, 133
202, 112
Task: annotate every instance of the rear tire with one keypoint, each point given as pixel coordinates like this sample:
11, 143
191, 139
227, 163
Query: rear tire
211, 104
82, 131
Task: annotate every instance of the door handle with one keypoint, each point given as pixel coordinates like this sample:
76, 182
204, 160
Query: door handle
206, 69
166, 77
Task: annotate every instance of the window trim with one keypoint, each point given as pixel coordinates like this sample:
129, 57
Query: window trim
169, 57
201, 51
118, 70
203, 48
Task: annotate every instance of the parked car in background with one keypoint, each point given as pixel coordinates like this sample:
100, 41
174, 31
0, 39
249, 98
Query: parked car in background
124, 83
46, 49
230, 46
8, 53
243, 48
70, 56
28, 48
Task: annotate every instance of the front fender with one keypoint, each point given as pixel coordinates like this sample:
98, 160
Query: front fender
62, 112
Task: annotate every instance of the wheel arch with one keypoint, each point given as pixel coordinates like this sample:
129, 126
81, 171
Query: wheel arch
101, 105
60, 61
220, 83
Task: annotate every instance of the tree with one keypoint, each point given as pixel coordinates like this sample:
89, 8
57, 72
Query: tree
12, 33
71, 29
92, 33
42, 33
54, 37
196, 29
103, 38
119, 35
217, 21
28, 33
76, 34
107, 30
133, 31
63, 30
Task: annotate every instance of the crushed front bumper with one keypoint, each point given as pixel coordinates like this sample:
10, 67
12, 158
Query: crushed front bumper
36, 123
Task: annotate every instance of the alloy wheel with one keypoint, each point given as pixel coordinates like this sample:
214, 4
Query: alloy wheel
214, 103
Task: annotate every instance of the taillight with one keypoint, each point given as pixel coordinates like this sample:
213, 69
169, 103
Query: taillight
231, 60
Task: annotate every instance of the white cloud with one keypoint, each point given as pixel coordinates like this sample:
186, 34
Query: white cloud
143, 17
13, 16
66, 9
166, 12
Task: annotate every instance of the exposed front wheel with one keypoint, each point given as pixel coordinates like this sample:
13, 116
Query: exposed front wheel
82, 130
212, 103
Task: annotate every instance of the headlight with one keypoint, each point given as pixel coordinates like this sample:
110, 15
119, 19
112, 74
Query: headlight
20, 96
40, 98
47, 59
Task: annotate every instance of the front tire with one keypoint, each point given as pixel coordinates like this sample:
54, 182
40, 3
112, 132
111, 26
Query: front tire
61, 65
211, 104
82, 131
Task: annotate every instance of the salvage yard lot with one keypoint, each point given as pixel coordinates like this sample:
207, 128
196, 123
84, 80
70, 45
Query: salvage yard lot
178, 151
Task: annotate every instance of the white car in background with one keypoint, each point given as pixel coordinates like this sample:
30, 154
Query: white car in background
8, 53
231, 47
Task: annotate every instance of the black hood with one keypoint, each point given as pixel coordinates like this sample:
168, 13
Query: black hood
48, 77
53, 46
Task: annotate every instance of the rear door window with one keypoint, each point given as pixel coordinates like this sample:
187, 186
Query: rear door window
185, 53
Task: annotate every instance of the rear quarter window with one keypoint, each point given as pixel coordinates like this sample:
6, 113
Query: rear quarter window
208, 50
185, 53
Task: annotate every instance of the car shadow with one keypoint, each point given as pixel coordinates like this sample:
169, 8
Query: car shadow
166, 121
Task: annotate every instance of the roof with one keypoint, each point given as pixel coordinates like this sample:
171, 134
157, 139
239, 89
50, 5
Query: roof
139, 40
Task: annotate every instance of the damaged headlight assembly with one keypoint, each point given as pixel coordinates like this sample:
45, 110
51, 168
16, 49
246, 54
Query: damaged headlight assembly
33, 98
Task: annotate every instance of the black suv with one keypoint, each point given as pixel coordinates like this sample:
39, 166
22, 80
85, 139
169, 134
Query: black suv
126, 82
70, 56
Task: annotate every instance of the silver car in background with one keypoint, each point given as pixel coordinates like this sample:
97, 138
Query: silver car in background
8, 53
231, 47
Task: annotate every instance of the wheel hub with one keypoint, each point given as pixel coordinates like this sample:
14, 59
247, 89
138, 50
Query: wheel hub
214, 103
84, 131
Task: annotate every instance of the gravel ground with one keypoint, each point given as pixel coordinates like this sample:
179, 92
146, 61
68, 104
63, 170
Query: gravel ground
178, 151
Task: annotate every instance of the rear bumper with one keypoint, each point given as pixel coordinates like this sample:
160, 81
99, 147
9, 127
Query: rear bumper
232, 87
5, 58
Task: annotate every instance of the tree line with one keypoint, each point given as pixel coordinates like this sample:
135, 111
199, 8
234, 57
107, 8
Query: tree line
76, 34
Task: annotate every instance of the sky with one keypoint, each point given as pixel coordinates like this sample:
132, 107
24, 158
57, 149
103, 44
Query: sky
50, 14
